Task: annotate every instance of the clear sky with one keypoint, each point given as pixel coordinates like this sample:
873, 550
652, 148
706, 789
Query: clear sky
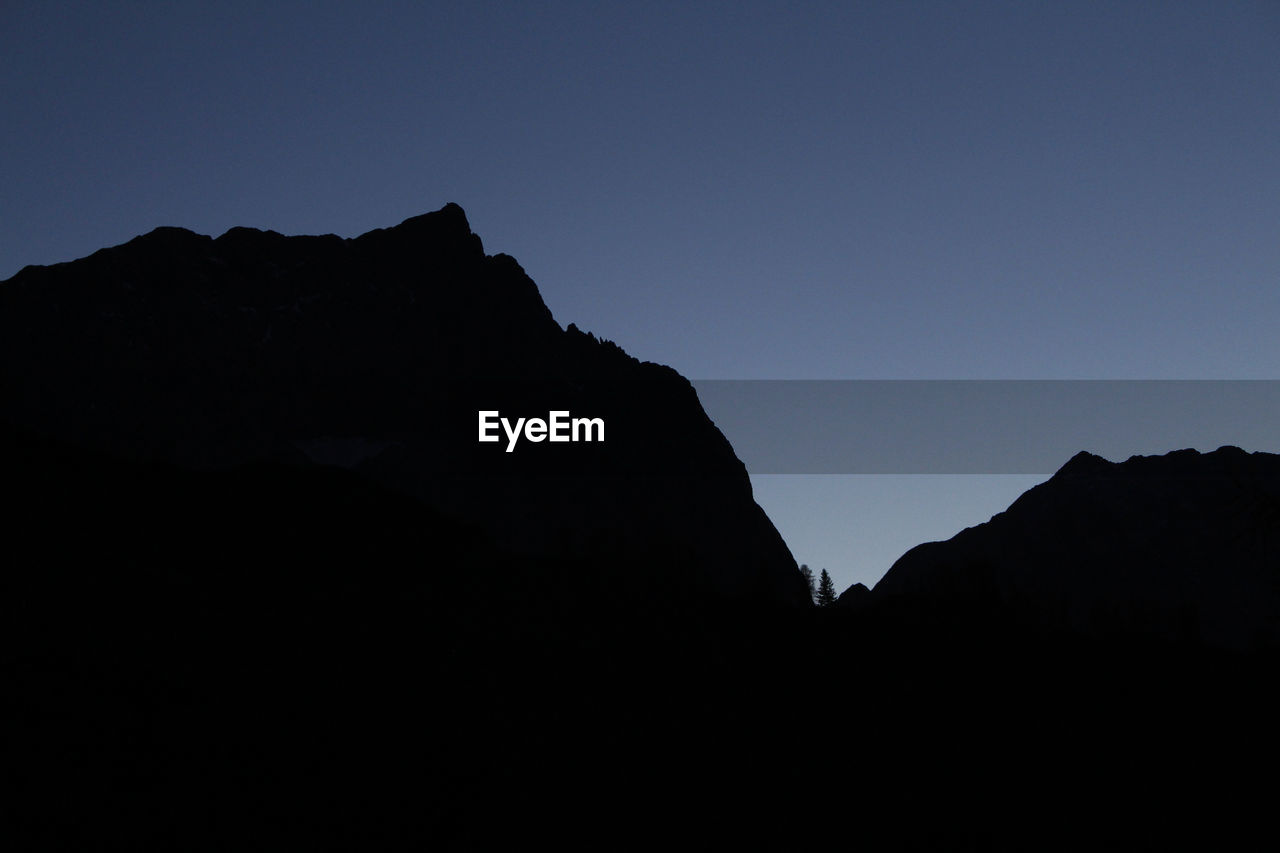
893, 190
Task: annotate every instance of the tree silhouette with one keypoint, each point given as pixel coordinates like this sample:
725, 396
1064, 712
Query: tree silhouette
826, 590
807, 574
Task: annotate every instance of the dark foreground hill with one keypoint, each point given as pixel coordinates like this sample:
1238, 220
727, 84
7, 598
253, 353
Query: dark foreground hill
281, 657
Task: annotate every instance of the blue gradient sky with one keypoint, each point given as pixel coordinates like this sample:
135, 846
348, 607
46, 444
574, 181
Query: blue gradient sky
741, 190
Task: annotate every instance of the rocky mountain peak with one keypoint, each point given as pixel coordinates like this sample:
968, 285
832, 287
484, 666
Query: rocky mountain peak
204, 353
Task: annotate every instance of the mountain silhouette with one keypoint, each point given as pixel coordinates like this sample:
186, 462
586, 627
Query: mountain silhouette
377, 353
1181, 547
263, 588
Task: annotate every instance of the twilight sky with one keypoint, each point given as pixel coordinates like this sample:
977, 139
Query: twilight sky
940, 190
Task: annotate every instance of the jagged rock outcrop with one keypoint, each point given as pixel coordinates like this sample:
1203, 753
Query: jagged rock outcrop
1183, 547
376, 353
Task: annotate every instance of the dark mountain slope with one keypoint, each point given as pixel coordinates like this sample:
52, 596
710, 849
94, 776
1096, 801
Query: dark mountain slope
1183, 547
280, 657
376, 353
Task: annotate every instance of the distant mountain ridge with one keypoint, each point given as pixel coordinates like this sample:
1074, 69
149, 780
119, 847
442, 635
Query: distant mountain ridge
1183, 547
375, 353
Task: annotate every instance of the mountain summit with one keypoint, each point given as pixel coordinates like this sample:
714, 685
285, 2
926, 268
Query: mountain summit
377, 354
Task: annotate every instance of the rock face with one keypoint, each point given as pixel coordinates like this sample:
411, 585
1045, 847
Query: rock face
376, 354
1184, 547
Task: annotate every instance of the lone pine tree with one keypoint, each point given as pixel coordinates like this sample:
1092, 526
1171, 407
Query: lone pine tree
826, 590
